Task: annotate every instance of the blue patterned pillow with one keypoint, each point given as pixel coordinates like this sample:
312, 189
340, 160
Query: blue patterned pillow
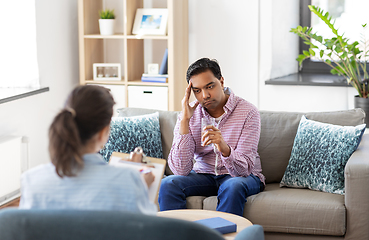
319, 155
127, 133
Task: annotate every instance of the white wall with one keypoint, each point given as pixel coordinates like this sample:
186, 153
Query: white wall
227, 31
57, 44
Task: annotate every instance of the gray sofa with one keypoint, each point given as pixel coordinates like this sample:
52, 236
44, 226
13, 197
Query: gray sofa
288, 213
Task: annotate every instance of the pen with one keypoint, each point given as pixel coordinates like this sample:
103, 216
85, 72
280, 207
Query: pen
147, 170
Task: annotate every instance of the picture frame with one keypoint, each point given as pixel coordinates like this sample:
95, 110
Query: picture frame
106, 71
150, 21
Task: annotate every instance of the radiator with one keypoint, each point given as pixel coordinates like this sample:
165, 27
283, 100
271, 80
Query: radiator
13, 161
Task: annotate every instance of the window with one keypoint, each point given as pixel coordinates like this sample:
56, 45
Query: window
349, 16
18, 58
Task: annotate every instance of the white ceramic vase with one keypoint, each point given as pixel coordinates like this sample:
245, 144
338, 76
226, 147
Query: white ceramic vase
106, 26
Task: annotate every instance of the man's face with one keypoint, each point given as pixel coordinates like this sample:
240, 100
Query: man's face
208, 90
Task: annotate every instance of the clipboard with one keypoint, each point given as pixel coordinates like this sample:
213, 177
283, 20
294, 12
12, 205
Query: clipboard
118, 159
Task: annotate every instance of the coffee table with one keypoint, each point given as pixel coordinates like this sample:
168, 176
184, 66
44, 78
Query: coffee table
198, 214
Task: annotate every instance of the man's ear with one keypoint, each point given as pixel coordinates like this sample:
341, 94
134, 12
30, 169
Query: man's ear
221, 82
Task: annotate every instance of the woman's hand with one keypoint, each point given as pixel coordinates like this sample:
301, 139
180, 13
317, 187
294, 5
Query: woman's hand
136, 157
148, 176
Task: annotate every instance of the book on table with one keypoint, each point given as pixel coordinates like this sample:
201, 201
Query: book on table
220, 224
156, 165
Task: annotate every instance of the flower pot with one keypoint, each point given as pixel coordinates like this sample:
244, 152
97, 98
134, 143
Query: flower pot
363, 103
106, 26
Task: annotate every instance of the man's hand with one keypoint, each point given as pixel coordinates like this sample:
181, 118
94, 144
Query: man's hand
213, 135
187, 111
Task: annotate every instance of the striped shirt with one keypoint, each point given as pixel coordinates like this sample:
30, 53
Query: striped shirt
240, 128
98, 186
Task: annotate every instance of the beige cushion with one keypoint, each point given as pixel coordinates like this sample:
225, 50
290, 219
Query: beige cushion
167, 121
278, 130
195, 202
301, 211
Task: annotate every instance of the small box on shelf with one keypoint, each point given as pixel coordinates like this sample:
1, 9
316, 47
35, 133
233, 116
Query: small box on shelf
106, 71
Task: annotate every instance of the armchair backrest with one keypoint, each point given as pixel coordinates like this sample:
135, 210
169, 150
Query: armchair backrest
19, 224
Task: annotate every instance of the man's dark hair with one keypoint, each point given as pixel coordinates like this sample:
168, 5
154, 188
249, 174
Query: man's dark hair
203, 65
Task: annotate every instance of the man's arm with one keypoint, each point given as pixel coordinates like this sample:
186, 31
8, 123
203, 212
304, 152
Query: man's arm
241, 160
180, 159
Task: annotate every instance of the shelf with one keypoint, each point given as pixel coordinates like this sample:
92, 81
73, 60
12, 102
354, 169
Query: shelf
147, 37
121, 36
105, 82
134, 52
98, 36
140, 83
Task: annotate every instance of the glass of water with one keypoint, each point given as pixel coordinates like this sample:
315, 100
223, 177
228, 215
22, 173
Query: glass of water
206, 122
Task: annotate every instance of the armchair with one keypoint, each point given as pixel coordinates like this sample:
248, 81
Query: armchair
18, 224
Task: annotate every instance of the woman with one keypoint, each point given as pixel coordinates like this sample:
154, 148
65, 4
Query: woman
78, 177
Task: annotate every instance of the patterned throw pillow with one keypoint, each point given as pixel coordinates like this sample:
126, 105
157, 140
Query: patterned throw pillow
127, 133
319, 155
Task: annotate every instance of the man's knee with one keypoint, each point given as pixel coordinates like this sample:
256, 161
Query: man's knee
167, 181
241, 185
234, 184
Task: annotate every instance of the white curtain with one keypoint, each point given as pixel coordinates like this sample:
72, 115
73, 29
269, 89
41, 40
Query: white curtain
18, 52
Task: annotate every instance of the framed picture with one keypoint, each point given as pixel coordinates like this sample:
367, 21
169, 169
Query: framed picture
106, 71
150, 21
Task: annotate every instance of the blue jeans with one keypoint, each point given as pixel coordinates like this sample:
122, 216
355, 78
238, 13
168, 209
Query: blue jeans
231, 191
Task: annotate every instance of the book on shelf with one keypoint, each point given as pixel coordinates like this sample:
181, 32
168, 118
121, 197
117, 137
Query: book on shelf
154, 75
220, 224
156, 78
164, 63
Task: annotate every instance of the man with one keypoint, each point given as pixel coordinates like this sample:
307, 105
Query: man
228, 164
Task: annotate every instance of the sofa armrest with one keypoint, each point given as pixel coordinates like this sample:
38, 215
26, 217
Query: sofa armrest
357, 192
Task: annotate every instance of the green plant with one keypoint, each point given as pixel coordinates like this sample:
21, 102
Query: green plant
107, 14
342, 55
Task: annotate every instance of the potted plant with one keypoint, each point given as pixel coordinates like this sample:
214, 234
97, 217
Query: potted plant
342, 55
106, 22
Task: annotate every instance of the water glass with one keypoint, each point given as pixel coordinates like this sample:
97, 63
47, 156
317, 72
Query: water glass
206, 122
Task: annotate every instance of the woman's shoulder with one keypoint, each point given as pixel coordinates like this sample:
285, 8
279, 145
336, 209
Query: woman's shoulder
46, 167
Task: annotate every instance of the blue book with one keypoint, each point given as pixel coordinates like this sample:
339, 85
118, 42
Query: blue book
164, 63
220, 224
154, 79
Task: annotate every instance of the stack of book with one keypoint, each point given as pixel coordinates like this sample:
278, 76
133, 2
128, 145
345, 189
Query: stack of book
162, 76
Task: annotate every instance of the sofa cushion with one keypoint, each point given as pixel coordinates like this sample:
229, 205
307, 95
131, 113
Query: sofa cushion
167, 120
289, 210
127, 133
195, 202
319, 155
278, 131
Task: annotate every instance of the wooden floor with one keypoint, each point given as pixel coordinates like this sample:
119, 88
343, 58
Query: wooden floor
14, 203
